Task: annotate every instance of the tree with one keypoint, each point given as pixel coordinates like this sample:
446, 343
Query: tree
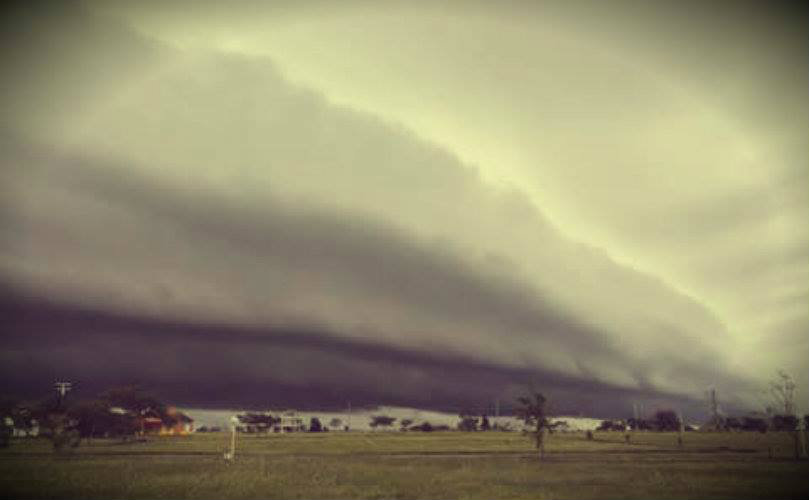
93, 417
7, 406
484, 423
717, 420
405, 423
532, 412
607, 425
666, 420
754, 424
61, 429
136, 403
53, 420
423, 427
13, 414
467, 423
381, 421
611, 425
335, 422
132, 398
639, 424
5, 433
784, 423
733, 424
315, 425
782, 391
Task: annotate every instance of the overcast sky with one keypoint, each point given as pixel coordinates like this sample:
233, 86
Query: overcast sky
426, 203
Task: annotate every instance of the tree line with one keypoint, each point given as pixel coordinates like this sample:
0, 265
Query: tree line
115, 413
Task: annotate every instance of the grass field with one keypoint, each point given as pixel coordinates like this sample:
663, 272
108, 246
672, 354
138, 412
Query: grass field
411, 465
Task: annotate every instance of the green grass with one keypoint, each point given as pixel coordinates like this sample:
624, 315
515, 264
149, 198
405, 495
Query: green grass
411, 465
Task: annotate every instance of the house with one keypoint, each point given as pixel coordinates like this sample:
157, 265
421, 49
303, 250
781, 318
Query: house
150, 422
289, 421
179, 423
172, 423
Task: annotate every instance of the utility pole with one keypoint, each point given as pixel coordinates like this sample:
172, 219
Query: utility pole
714, 406
61, 389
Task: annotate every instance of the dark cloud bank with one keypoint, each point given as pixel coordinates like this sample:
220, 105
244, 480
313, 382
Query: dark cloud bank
222, 366
99, 341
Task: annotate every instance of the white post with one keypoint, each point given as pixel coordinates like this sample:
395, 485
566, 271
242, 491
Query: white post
232, 454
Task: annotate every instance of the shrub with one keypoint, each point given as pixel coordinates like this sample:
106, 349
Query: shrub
381, 420
666, 420
733, 424
784, 423
423, 427
639, 424
611, 425
754, 424
468, 424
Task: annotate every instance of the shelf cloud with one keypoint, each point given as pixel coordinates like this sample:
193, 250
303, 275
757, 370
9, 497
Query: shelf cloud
227, 221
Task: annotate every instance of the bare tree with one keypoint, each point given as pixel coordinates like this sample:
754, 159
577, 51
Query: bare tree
532, 412
717, 421
782, 392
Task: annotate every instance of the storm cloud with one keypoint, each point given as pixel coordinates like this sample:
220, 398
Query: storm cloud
194, 218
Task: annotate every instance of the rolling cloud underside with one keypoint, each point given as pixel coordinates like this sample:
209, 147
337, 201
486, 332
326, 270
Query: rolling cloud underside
227, 238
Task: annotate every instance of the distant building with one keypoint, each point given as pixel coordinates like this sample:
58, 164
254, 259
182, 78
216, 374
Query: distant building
174, 423
150, 422
290, 422
180, 425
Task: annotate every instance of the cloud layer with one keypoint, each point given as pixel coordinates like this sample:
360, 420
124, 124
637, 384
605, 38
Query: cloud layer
192, 216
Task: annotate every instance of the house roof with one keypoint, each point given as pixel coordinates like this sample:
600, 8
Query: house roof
177, 414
